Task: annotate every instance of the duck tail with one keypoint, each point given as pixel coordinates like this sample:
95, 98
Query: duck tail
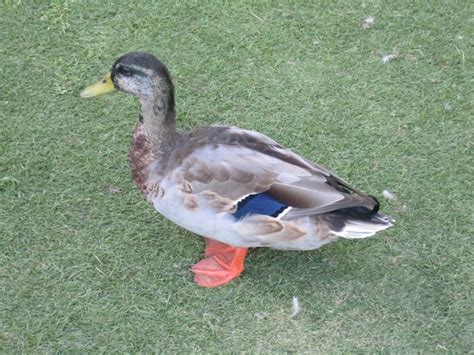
358, 222
357, 229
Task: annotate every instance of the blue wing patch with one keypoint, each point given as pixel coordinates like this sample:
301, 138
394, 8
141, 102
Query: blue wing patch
261, 203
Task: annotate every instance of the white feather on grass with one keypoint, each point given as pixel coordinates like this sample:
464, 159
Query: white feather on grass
388, 195
295, 308
386, 58
259, 315
368, 22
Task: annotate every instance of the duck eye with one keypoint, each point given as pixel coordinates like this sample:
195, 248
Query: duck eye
125, 71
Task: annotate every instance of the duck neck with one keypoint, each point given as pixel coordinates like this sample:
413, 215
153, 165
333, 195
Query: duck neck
158, 117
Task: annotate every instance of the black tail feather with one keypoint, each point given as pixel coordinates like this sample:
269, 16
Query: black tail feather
337, 219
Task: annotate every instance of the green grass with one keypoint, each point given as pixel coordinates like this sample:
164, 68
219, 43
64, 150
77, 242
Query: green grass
87, 265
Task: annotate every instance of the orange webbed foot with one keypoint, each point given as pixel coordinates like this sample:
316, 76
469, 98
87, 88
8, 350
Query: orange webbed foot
223, 263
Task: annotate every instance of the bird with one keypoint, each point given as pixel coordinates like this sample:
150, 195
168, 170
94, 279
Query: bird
237, 188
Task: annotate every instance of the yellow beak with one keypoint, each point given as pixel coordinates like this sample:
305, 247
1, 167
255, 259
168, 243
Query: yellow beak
102, 87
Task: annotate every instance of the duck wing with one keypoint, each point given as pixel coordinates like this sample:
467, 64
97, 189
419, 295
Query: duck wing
245, 168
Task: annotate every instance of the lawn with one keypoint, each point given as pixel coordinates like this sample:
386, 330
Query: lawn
87, 265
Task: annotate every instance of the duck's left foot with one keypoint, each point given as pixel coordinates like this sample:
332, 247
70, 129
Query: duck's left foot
223, 263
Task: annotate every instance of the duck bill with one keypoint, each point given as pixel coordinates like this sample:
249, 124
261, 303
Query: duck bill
104, 86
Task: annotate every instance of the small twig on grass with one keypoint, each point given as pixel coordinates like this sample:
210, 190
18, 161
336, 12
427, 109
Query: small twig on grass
98, 259
462, 54
257, 17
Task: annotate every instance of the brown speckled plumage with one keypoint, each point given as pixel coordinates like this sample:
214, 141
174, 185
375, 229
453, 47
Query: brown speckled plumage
140, 157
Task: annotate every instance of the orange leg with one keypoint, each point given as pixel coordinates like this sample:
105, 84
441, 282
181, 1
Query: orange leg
223, 263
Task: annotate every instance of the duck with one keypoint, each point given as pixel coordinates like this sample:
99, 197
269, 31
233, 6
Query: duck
237, 188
